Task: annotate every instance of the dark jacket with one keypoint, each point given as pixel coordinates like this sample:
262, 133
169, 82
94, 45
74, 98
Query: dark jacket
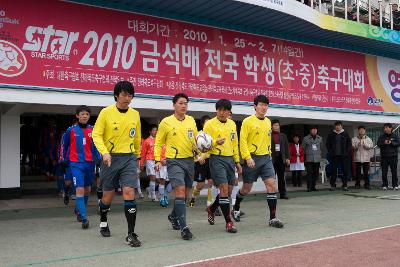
284, 145
342, 148
389, 150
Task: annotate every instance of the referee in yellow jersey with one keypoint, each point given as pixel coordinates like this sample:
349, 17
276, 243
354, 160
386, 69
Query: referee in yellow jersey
178, 133
224, 157
255, 148
117, 136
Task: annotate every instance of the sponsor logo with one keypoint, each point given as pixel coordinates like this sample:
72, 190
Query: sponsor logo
372, 101
12, 60
49, 42
394, 81
132, 210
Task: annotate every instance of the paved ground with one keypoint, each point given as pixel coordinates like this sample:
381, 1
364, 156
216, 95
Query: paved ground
50, 236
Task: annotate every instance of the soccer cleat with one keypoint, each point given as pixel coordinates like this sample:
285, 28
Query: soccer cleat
211, 216
104, 230
154, 199
132, 240
186, 234
174, 222
85, 224
166, 200
162, 203
141, 196
396, 188
230, 228
344, 188
236, 215
384, 188
192, 201
275, 222
218, 212
78, 215
66, 199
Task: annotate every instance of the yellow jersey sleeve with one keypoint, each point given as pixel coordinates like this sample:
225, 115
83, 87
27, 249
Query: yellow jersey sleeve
244, 135
137, 141
160, 140
235, 144
98, 132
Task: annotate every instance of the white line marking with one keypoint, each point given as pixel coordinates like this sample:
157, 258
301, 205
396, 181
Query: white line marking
284, 246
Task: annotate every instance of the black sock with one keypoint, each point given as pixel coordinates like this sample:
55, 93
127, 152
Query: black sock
239, 198
272, 200
103, 211
99, 193
224, 204
130, 214
66, 189
180, 212
214, 206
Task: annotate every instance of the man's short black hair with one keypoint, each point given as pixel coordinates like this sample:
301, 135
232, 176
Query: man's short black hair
224, 104
123, 86
338, 123
180, 95
389, 125
152, 126
275, 121
314, 127
361, 127
82, 108
261, 99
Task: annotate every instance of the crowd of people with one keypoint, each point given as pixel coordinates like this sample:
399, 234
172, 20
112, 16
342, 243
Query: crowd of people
172, 160
363, 13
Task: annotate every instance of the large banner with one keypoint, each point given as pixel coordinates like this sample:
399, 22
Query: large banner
68, 46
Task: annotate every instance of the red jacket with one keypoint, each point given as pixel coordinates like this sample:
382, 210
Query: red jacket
293, 153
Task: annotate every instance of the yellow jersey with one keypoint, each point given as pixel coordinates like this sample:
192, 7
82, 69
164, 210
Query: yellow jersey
117, 132
178, 136
227, 130
255, 137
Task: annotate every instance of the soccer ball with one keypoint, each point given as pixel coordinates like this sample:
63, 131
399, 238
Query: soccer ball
203, 141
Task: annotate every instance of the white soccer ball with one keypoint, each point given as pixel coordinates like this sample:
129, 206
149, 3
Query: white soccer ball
203, 141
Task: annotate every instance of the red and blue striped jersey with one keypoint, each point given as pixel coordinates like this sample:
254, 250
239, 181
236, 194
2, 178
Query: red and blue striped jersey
78, 146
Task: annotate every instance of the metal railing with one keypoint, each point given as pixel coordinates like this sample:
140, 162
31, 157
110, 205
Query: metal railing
362, 11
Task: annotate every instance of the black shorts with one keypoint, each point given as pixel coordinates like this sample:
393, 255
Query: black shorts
202, 172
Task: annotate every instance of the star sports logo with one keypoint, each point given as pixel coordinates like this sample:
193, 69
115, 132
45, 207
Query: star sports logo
12, 60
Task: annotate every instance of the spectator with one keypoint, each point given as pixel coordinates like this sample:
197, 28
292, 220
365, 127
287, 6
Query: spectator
338, 144
362, 146
296, 160
280, 156
375, 17
388, 142
396, 17
312, 145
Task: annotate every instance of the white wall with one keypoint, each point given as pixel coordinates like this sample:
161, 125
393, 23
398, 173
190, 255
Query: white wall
9, 151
